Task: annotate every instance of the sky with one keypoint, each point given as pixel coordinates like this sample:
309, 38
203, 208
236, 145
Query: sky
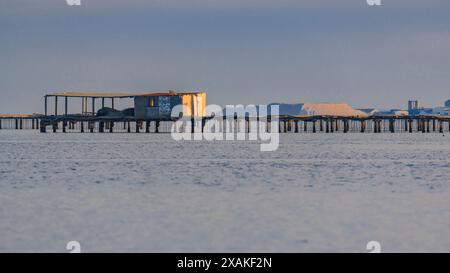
238, 51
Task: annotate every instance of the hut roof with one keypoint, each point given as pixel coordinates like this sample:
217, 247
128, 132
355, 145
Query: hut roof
83, 94
12, 116
168, 93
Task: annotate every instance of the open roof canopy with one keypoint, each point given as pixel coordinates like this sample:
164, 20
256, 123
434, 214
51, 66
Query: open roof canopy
83, 94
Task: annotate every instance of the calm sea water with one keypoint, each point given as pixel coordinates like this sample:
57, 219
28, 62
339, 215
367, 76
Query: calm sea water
129, 192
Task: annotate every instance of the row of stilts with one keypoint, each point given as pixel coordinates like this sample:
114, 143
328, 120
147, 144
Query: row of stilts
19, 124
286, 125
109, 126
363, 126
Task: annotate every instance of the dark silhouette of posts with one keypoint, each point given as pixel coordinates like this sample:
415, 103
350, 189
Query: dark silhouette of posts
93, 106
392, 126
66, 106
346, 126
137, 127
45, 105
101, 127
56, 105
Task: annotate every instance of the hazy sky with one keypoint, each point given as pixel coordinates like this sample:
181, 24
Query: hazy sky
238, 51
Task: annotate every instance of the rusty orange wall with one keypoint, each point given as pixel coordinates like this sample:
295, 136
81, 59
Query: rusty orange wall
195, 103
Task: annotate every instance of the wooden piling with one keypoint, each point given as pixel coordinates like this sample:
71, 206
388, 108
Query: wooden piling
392, 126
296, 126
42, 127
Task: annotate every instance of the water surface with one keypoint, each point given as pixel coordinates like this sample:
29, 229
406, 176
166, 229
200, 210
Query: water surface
146, 192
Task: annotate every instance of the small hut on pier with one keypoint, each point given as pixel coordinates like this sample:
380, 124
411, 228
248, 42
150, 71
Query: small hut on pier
160, 105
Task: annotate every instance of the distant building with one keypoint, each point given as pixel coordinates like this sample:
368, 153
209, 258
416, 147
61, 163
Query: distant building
391, 112
399, 112
319, 109
441, 111
447, 103
370, 111
413, 107
160, 105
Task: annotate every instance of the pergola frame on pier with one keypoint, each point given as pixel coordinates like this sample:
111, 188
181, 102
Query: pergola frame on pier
85, 97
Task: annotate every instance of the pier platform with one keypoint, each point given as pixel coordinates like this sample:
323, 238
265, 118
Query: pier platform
287, 124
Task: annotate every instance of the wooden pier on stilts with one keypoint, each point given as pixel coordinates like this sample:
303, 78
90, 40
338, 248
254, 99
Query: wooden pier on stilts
287, 124
20, 122
88, 120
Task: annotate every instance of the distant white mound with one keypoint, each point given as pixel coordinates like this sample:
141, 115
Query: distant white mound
331, 109
319, 109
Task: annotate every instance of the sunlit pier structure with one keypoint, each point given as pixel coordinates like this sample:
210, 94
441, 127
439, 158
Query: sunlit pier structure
151, 114
151, 111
